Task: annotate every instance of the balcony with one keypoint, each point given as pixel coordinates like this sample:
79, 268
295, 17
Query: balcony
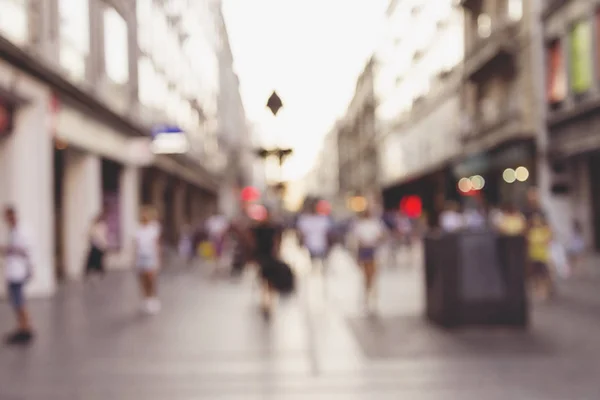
479, 134
499, 50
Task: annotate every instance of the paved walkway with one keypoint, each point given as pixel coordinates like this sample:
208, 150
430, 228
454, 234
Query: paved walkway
210, 342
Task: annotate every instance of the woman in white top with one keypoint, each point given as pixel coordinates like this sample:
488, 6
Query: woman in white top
98, 245
369, 232
147, 251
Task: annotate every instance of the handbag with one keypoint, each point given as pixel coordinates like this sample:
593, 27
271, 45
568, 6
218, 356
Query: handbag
281, 277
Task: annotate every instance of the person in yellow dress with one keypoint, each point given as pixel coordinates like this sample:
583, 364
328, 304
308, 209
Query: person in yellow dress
539, 238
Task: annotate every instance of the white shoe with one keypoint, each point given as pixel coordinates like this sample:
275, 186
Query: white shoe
154, 306
151, 306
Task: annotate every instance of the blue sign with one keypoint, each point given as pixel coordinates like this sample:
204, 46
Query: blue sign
166, 129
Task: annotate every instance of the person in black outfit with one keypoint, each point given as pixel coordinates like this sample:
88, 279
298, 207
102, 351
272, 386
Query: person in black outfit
266, 238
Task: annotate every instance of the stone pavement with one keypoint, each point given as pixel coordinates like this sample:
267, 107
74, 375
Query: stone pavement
210, 342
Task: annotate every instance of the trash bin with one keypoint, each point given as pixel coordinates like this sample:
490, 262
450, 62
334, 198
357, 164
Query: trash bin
476, 278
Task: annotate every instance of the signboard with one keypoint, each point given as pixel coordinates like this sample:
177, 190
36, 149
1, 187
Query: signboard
481, 278
168, 139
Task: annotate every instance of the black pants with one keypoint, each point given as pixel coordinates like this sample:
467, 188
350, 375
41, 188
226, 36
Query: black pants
95, 261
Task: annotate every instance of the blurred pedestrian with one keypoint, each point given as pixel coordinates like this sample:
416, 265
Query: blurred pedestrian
369, 233
539, 239
18, 270
98, 238
186, 244
266, 240
512, 222
451, 219
314, 230
148, 259
216, 227
576, 247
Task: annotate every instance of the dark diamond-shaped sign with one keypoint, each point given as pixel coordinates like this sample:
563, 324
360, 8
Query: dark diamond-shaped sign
274, 103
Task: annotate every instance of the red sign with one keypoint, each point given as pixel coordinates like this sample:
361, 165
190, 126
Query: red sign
250, 194
412, 206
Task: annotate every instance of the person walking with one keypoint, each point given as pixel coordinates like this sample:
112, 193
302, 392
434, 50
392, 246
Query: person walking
369, 232
148, 256
266, 240
18, 270
314, 230
98, 238
539, 238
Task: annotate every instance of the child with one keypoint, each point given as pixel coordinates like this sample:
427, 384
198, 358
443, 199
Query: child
148, 258
539, 238
18, 271
576, 245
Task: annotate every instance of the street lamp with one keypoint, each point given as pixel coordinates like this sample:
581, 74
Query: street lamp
275, 104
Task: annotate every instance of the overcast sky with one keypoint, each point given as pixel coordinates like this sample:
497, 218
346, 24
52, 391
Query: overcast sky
310, 52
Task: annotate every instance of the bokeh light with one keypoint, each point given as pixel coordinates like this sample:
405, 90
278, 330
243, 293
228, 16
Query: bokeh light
522, 174
509, 175
465, 185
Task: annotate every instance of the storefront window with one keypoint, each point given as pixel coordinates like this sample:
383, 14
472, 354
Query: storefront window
557, 76
13, 20
147, 82
515, 9
74, 37
581, 60
144, 9
484, 26
598, 43
116, 49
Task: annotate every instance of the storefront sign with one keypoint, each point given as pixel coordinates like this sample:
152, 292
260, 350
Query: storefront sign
580, 40
169, 140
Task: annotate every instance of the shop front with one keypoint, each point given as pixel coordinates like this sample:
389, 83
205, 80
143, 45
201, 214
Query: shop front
503, 174
574, 158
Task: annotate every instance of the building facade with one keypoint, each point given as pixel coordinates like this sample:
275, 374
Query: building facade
571, 89
83, 84
357, 155
323, 180
417, 85
501, 121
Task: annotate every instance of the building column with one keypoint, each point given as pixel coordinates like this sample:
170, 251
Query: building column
159, 184
82, 202
129, 204
26, 175
179, 207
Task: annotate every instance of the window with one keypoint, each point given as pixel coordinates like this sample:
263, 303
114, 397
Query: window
557, 76
74, 37
580, 39
144, 9
13, 20
147, 82
116, 49
484, 25
515, 9
14, 24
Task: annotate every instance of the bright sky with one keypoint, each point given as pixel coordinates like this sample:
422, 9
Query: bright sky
310, 52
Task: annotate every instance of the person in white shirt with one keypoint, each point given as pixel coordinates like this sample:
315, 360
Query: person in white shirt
147, 250
369, 233
18, 271
451, 220
98, 246
216, 228
314, 230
